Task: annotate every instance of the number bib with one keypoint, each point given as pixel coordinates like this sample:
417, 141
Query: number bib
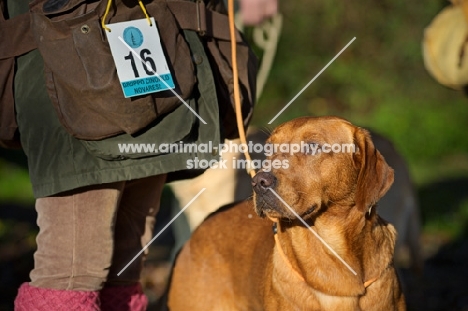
139, 57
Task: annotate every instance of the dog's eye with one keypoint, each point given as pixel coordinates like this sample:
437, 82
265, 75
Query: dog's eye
311, 148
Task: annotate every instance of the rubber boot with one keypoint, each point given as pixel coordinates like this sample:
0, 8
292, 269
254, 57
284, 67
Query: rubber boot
32, 298
123, 298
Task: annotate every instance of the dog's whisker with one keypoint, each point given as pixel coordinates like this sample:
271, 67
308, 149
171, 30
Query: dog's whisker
266, 130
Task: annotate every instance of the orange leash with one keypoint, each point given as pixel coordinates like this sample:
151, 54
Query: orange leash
283, 255
369, 282
235, 74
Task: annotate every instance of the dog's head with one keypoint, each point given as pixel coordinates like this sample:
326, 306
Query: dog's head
336, 164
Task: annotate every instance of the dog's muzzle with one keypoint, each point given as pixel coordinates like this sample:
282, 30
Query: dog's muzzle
265, 200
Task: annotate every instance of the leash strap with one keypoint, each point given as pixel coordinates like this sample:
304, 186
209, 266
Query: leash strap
16, 36
282, 254
240, 123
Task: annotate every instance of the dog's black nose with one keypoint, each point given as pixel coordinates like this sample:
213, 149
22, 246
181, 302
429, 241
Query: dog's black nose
262, 181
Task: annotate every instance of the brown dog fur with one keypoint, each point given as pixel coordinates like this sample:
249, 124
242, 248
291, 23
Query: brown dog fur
232, 262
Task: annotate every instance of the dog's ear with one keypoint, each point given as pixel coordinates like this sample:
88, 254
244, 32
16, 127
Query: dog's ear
375, 176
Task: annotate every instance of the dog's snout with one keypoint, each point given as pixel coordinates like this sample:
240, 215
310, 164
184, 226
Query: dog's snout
262, 181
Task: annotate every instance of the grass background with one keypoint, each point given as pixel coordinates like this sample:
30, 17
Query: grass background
379, 82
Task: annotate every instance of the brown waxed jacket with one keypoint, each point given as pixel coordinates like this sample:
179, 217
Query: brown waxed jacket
59, 162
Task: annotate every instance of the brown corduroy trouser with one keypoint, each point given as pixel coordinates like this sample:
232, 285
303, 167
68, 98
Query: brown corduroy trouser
88, 235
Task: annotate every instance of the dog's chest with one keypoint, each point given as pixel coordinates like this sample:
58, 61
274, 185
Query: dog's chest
287, 291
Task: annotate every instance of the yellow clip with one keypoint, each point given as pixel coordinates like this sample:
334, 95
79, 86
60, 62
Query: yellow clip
103, 21
144, 12
109, 3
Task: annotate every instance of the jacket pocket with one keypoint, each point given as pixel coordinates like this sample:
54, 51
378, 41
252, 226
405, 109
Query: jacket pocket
81, 77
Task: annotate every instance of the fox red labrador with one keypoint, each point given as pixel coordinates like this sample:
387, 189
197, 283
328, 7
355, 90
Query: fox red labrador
235, 261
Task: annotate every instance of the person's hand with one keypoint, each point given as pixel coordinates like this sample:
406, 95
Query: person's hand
255, 11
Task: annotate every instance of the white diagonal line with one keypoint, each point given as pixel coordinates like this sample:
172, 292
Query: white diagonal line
167, 85
313, 231
310, 82
162, 230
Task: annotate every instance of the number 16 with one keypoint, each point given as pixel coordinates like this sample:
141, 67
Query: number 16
145, 60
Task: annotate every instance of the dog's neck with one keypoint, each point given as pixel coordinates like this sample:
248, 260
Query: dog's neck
364, 242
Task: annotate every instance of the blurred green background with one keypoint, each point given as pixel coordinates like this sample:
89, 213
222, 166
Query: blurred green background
379, 82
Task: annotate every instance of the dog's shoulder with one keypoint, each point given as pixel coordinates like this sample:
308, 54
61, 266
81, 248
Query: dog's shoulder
228, 207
